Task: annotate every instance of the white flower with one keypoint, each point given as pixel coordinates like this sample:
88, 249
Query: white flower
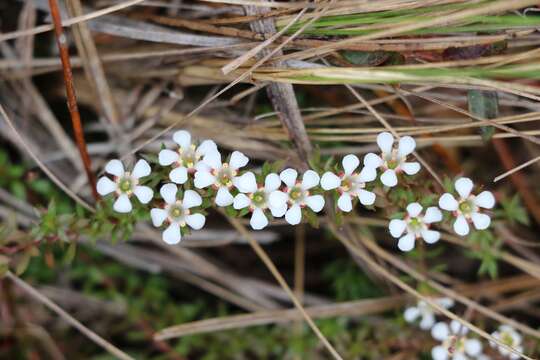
455, 345
425, 312
177, 213
220, 175
508, 336
297, 195
416, 226
467, 208
125, 184
187, 158
350, 184
256, 198
393, 161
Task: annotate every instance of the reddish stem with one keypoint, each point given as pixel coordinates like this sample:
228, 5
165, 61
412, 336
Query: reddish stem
71, 98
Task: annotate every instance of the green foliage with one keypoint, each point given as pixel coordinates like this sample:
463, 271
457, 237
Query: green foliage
513, 211
348, 281
484, 104
486, 249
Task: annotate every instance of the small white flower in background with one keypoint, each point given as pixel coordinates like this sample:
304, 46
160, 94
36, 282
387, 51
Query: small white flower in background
255, 197
220, 176
467, 208
508, 336
177, 213
296, 195
415, 225
454, 343
425, 312
125, 184
187, 158
392, 160
350, 184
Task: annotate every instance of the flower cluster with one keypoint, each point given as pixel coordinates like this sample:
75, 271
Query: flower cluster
454, 343
197, 171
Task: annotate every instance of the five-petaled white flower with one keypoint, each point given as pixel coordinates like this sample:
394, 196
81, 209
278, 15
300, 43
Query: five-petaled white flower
125, 184
455, 345
393, 161
255, 197
425, 312
467, 208
350, 184
510, 337
220, 175
416, 225
177, 213
296, 195
187, 158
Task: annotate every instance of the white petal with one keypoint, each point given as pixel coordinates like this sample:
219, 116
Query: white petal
143, 193
411, 314
464, 187
167, 157
289, 176
191, 199
458, 328
115, 167
385, 140
461, 227
485, 199
203, 179
427, 321
459, 356
278, 198
439, 353
372, 160
182, 138
350, 163
440, 331
330, 181
389, 178
278, 211
205, 147
258, 220
246, 183
158, 216
122, 204
272, 182
195, 221
366, 197
367, 174
431, 236
105, 186
446, 303
410, 168
433, 214
397, 227
294, 215
168, 193
238, 160
178, 175
406, 146
310, 179
345, 202
406, 243
315, 202
141, 169
414, 209
241, 201
213, 159
448, 202
480, 221
224, 197
473, 347
172, 234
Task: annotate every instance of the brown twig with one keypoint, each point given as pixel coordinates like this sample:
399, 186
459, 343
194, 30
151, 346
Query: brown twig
61, 41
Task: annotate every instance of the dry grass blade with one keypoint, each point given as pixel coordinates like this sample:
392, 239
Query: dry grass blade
113, 350
516, 169
42, 166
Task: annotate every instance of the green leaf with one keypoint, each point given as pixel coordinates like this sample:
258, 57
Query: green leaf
484, 104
